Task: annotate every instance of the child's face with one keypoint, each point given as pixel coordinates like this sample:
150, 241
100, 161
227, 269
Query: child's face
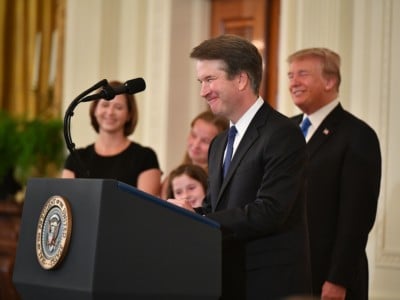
199, 139
189, 189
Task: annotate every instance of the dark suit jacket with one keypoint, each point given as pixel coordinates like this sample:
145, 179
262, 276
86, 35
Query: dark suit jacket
343, 186
261, 207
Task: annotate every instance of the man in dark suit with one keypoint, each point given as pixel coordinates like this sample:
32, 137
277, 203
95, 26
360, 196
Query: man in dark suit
344, 173
260, 202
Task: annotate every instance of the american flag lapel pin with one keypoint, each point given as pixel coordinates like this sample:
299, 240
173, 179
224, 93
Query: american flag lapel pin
326, 131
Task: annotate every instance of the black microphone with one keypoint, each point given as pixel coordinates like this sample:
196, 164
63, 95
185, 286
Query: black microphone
132, 86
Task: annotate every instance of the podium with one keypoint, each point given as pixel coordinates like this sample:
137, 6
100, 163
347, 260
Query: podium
123, 244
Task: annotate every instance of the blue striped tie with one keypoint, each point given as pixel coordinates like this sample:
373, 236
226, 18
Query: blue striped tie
229, 149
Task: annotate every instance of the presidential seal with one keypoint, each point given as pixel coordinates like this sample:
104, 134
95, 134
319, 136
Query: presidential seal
53, 232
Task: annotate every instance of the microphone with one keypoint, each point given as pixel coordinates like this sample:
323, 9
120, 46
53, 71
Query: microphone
132, 86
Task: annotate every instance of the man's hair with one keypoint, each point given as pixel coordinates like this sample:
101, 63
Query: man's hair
330, 61
130, 125
237, 53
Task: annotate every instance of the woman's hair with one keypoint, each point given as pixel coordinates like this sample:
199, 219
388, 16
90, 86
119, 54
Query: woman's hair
193, 171
220, 123
130, 125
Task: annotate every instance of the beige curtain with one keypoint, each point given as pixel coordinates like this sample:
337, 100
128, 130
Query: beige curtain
31, 52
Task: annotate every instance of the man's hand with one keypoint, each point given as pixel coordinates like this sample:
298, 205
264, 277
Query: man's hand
332, 291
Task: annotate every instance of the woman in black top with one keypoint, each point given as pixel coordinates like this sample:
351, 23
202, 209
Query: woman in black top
113, 155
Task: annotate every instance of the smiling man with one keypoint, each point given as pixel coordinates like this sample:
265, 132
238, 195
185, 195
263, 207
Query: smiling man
260, 201
344, 174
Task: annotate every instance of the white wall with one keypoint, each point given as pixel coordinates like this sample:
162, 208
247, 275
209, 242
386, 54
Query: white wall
124, 39
366, 33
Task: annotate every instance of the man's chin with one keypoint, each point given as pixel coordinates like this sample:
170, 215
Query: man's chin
215, 109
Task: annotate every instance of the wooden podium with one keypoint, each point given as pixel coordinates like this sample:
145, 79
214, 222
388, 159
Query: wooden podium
123, 244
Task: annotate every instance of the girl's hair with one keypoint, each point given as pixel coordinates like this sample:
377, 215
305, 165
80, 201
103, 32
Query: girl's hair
221, 123
193, 171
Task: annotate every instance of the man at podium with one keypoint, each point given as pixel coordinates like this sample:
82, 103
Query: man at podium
256, 178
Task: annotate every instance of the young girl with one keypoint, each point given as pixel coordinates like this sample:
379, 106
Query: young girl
188, 182
204, 127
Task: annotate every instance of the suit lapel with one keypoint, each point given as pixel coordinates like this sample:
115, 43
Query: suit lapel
215, 167
325, 130
250, 137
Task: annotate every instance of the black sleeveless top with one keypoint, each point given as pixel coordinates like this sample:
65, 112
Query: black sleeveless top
124, 166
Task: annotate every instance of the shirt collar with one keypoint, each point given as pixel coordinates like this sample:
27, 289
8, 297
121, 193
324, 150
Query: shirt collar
244, 121
317, 117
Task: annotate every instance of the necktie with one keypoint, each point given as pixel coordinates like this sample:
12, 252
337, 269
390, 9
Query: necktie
229, 149
305, 125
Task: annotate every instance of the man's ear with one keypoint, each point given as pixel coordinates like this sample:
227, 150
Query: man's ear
330, 83
243, 80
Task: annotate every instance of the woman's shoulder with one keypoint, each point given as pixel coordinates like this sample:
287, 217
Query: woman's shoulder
138, 148
141, 155
85, 150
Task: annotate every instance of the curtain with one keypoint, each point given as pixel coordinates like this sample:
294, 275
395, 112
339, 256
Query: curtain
31, 52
